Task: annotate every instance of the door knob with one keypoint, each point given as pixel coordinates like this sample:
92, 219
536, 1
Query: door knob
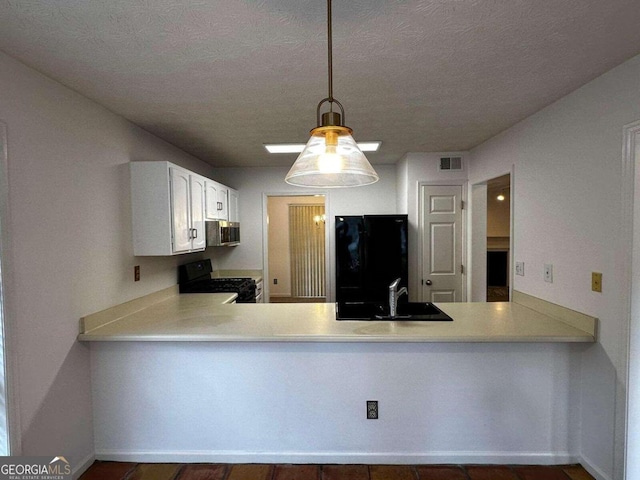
428, 282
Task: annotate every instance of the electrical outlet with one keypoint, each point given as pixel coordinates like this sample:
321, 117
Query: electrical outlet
372, 409
596, 282
136, 273
520, 268
548, 273
275, 281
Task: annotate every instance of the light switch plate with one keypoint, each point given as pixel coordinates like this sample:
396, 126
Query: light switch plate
520, 268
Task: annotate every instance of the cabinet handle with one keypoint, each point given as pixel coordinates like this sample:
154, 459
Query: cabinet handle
195, 232
219, 205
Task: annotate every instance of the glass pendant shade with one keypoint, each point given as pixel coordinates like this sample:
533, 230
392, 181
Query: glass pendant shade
331, 159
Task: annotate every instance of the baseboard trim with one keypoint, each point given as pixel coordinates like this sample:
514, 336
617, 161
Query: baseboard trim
83, 466
594, 471
511, 458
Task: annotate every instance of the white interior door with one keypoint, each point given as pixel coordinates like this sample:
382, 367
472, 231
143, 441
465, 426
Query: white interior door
441, 232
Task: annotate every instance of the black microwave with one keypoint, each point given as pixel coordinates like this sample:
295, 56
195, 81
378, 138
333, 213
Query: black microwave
221, 233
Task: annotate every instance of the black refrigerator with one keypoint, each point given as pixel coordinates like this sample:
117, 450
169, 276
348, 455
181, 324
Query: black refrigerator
371, 252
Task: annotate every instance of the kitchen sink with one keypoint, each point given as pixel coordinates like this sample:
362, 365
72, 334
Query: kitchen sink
409, 311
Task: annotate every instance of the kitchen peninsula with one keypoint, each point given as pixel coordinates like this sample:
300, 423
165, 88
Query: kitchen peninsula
188, 378
167, 316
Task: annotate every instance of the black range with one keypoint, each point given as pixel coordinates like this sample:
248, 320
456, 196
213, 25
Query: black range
195, 277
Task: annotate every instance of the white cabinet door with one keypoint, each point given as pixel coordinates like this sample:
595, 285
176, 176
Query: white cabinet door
180, 210
216, 201
197, 198
211, 199
234, 214
223, 201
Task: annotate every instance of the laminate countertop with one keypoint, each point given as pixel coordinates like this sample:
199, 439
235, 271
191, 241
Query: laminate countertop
173, 317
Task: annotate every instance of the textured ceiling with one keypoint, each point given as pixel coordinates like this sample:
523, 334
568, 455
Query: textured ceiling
220, 78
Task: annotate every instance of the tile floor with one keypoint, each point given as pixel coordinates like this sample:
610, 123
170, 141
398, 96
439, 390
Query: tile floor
177, 471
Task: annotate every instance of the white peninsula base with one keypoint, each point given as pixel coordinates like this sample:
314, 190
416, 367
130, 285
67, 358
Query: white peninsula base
182, 380
306, 402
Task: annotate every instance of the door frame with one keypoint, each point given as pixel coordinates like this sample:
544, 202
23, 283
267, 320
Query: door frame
463, 184
266, 284
10, 428
628, 414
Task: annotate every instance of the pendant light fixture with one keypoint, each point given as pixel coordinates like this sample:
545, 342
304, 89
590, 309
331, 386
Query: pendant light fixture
331, 157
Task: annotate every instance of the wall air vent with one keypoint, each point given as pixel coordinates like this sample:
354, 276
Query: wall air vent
450, 164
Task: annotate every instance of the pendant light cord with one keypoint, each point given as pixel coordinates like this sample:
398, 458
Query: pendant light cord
334, 118
330, 63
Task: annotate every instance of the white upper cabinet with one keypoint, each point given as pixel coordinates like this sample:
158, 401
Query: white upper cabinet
169, 207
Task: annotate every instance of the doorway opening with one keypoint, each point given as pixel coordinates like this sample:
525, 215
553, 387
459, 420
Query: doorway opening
491, 242
498, 238
296, 249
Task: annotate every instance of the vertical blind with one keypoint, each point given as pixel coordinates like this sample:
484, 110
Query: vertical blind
307, 245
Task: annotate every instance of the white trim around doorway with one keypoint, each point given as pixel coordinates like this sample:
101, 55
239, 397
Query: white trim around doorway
628, 417
9, 425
